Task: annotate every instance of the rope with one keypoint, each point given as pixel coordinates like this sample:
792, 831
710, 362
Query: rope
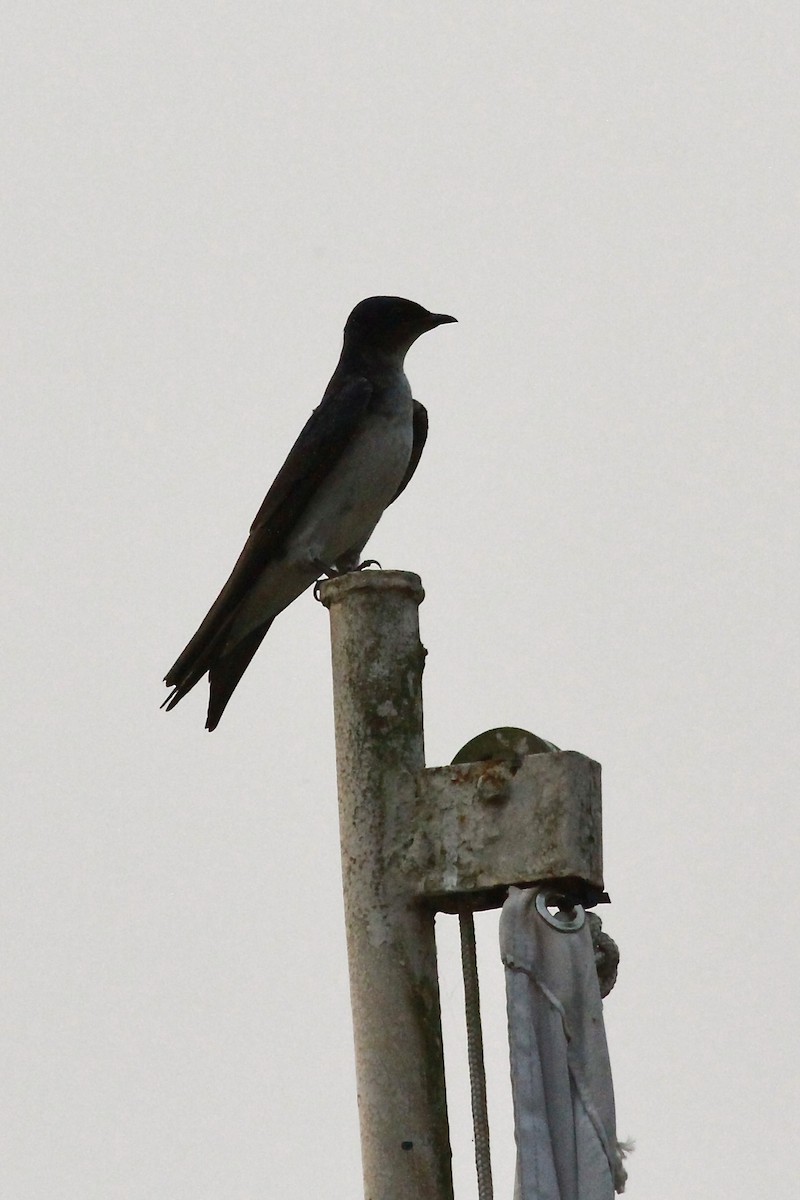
477, 1073
606, 955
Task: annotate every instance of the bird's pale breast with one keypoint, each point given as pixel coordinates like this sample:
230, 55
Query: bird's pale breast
350, 502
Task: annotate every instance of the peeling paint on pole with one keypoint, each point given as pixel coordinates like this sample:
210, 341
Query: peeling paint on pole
483, 826
377, 678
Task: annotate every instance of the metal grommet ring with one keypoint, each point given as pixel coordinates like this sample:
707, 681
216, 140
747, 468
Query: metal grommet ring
568, 917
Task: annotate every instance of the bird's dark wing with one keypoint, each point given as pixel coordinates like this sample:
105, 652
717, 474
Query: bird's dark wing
326, 433
420, 434
321, 443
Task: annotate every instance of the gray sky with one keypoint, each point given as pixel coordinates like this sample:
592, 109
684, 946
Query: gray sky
605, 521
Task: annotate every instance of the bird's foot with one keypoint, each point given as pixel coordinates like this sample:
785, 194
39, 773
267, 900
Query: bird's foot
330, 572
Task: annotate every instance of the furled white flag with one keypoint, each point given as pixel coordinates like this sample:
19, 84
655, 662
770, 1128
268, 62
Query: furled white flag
564, 1117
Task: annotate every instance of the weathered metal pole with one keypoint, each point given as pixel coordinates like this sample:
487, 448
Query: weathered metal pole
377, 684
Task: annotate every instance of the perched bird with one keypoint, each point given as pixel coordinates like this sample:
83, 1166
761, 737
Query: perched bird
355, 455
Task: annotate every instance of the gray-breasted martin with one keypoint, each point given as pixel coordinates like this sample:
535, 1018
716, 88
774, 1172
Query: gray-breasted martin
355, 455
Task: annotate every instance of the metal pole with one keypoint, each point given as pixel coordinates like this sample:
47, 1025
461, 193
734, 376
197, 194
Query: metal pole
377, 687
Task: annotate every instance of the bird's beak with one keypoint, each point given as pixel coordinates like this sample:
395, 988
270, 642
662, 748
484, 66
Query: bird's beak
442, 319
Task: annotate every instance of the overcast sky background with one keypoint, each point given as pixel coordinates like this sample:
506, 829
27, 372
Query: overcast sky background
605, 522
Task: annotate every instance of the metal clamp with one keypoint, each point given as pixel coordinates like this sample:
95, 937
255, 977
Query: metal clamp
568, 917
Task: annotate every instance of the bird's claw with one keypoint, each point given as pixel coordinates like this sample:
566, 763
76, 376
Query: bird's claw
327, 571
332, 572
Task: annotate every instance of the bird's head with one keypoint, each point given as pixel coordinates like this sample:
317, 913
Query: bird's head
389, 325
